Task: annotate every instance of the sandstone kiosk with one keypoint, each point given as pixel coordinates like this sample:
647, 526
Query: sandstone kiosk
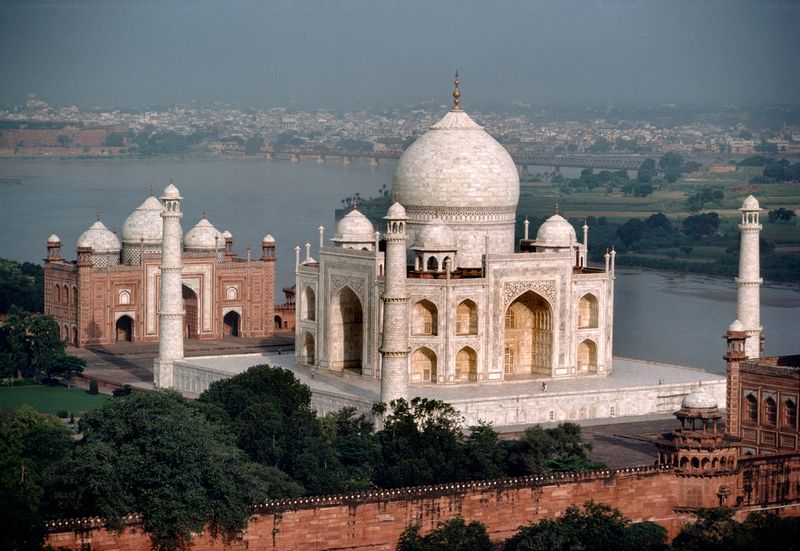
170, 311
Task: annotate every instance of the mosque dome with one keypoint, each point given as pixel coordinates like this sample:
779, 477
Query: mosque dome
456, 165
227, 235
555, 232
354, 226
268, 239
144, 224
203, 237
100, 239
435, 236
54, 239
750, 203
699, 399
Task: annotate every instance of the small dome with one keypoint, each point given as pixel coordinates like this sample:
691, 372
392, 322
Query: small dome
227, 235
354, 226
54, 239
309, 260
699, 399
396, 212
202, 237
736, 326
171, 191
144, 224
268, 239
555, 232
435, 236
750, 203
100, 239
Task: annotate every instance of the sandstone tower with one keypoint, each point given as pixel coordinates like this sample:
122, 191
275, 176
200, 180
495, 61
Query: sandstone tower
748, 302
170, 310
394, 347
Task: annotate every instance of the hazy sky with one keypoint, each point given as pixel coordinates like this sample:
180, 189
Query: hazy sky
351, 53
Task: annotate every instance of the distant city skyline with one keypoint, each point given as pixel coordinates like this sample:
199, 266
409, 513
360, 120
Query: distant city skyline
107, 53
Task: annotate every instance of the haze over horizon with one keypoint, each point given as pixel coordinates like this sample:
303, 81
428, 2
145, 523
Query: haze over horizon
354, 54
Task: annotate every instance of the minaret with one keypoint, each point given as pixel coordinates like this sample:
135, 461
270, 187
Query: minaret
394, 347
170, 308
748, 302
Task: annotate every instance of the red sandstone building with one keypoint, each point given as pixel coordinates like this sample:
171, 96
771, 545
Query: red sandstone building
111, 292
762, 398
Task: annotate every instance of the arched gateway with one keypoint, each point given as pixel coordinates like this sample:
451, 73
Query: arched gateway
528, 340
346, 331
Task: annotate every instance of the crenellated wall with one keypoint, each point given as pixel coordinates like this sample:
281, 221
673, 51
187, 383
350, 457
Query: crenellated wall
373, 520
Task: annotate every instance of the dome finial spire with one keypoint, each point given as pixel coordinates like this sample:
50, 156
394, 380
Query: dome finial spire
456, 95
152, 189
97, 214
202, 213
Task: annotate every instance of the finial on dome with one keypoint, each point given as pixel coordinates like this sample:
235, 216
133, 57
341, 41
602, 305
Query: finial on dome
97, 214
456, 95
152, 190
202, 213
557, 208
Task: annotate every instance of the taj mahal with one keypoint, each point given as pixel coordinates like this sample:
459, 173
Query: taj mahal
440, 302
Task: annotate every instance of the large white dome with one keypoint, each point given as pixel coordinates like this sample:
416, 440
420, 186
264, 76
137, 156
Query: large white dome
144, 224
354, 227
456, 164
100, 239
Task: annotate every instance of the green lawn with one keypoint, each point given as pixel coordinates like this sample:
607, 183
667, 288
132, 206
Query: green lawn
49, 399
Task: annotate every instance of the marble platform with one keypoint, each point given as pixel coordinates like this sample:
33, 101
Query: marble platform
634, 388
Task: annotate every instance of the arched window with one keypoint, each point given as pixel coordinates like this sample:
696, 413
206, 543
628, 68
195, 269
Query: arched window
508, 359
684, 462
511, 319
423, 366
587, 312
425, 320
231, 293
587, 357
309, 306
790, 413
466, 365
75, 295
66, 294
467, 318
770, 411
124, 297
433, 264
751, 408
57, 290
695, 463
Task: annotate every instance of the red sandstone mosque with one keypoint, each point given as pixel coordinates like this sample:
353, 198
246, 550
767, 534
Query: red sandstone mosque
111, 292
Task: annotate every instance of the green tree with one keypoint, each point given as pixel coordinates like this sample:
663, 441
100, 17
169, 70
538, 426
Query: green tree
601, 145
699, 225
65, 366
115, 139
155, 454
30, 446
630, 231
269, 412
29, 343
64, 141
780, 214
597, 527
545, 450
253, 145
453, 535
646, 172
420, 444
708, 533
355, 445
484, 454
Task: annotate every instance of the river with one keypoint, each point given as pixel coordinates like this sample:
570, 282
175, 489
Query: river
660, 316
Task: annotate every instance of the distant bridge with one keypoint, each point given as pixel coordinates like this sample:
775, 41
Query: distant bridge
522, 159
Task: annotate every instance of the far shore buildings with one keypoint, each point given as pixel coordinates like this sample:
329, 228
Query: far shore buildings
110, 294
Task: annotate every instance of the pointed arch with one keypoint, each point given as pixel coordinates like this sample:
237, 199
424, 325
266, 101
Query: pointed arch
790, 413
587, 311
346, 331
423, 366
190, 308
528, 337
587, 357
425, 320
466, 365
467, 318
124, 329
770, 411
308, 307
231, 324
309, 356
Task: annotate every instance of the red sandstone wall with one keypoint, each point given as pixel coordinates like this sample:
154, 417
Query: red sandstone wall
374, 520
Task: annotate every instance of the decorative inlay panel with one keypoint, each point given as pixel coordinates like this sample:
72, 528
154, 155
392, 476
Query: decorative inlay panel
513, 289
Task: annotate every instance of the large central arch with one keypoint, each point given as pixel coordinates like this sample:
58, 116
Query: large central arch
345, 331
528, 339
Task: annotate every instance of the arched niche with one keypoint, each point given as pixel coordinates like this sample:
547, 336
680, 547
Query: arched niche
423, 366
528, 337
346, 331
425, 318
